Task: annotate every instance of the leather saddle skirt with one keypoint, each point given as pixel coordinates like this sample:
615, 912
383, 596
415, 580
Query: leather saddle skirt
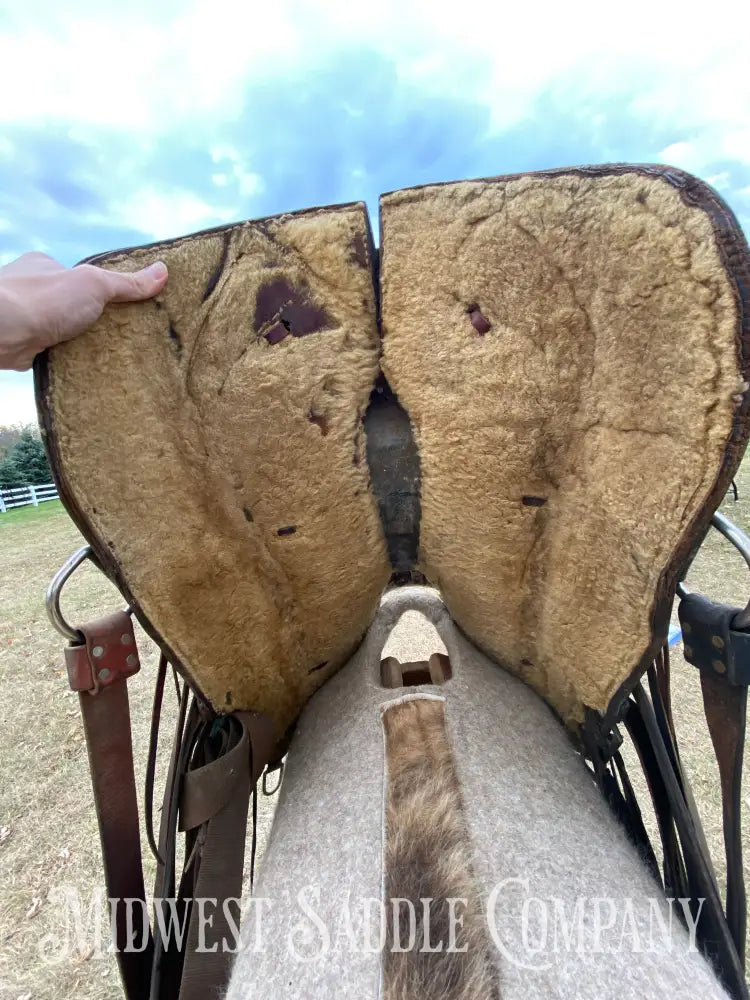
533, 396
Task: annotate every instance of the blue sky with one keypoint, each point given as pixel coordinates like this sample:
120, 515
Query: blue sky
125, 126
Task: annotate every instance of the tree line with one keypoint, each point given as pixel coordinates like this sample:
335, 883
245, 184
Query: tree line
23, 461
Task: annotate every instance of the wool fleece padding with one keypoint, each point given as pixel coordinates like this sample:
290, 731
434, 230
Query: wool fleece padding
209, 444
572, 351
565, 406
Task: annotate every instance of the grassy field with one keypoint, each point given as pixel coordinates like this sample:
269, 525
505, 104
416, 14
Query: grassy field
48, 832
48, 835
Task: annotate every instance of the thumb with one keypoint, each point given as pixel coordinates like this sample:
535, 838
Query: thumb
136, 285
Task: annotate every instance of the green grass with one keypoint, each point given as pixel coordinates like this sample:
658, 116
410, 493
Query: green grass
30, 514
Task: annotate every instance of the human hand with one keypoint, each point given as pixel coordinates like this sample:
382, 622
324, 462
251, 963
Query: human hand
43, 303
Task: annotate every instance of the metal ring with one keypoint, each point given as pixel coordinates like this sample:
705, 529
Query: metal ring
52, 600
741, 542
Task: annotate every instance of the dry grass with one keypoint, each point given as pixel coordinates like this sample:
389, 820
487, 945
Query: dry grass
719, 572
45, 801
44, 791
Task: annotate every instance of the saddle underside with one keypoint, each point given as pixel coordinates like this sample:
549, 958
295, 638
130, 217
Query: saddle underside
571, 350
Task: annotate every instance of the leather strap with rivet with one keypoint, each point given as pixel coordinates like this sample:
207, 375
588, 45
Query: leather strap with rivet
721, 651
98, 669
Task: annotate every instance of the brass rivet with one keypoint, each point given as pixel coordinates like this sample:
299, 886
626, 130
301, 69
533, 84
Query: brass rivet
688, 651
131, 660
97, 651
717, 642
126, 638
103, 674
718, 666
687, 628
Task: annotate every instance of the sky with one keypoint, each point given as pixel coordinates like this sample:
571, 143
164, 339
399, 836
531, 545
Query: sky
128, 125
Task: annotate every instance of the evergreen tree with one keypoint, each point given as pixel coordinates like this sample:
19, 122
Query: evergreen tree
26, 463
10, 475
30, 457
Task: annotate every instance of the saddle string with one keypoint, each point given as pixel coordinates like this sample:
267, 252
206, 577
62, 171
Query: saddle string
673, 867
151, 762
165, 881
635, 824
176, 678
659, 689
716, 938
254, 842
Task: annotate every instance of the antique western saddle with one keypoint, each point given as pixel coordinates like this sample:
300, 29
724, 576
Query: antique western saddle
533, 396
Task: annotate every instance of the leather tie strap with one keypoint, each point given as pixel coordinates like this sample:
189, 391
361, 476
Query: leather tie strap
215, 766
98, 670
215, 797
721, 652
725, 706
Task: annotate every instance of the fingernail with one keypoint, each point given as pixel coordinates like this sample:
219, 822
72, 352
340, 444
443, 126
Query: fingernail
157, 270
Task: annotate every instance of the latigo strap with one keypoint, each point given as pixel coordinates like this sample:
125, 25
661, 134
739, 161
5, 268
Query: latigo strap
216, 764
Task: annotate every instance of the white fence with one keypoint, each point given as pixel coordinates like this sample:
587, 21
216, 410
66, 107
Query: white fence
24, 496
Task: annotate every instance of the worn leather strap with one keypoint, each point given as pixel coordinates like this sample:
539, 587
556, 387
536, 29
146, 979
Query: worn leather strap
98, 670
660, 688
215, 798
714, 935
210, 779
168, 958
725, 706
721, 652
675, 878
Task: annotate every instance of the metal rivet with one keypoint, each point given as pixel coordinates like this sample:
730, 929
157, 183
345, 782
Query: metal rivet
717, 642
688, 651
132, 660
97, 651
126, 638
718, 666
104, 674
687, 628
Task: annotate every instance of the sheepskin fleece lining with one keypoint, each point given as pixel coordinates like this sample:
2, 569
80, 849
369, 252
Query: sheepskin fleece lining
570, 349
565, 348
219, 459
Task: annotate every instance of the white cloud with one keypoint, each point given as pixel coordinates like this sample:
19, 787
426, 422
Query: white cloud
162, 214
703, 148
140, 65
681, 154
248, 182
143, 69
719, 181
